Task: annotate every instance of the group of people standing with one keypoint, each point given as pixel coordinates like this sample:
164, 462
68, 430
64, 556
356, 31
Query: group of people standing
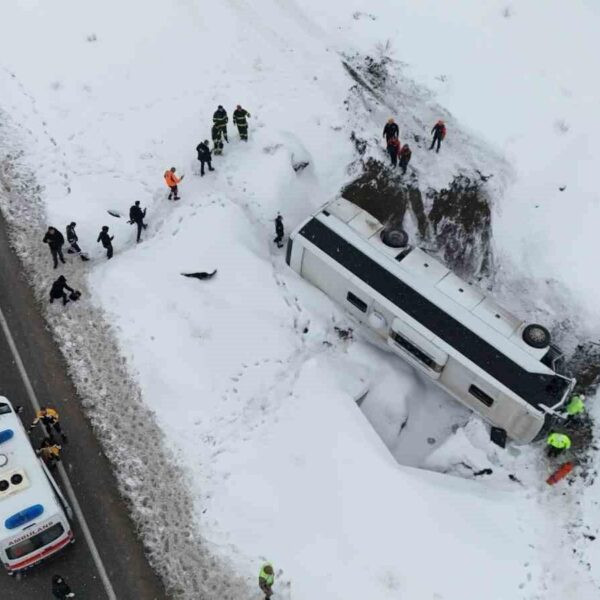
400, 155
219, 128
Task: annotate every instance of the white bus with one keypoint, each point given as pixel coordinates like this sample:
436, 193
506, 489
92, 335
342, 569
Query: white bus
488, 359
33, 519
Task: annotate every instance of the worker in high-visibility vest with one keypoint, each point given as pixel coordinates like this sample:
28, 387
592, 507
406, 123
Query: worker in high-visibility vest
266, 578
558, 443
50, 419
575, 407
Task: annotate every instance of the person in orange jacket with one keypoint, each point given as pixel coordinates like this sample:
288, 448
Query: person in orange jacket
172, 180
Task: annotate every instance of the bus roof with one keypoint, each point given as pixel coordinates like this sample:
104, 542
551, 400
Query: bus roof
17, 454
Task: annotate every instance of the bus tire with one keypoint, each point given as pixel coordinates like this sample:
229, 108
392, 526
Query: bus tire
536, 336
395, 238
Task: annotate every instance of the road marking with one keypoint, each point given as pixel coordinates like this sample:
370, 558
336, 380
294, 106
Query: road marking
61, 470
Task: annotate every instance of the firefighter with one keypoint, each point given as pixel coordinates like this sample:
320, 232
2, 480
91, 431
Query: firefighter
172, 180
220, 120
390, 130
279, 231
266, 578
405, 154
240, 116
557, 443
50, 420
216, 135
439, 133
49, 453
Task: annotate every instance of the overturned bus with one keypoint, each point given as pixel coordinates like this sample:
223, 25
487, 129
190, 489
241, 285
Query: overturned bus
492, 362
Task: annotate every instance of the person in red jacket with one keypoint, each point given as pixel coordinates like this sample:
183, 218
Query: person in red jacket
405, 155
439, 133
172, 180
393, 148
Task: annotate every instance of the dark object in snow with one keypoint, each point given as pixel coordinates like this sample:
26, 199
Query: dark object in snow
560, 473
498, 436
200, 275
482, 176
514, 478
587, 536
431, 441
75, 295
114, 213
299, 165
562, 188
279, 231
344, 334
482, 472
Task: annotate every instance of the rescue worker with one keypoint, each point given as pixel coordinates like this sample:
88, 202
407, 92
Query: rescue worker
55, 241
60, 589
240, 118
136, 217
220, 120
390, 130
405, 154
266, 578
279, 231
393, 148
50, 419
172, 180
58, 288
204, 156
73, 239
576, 407
439, 133
557, 443
216, 134
106, 241
49, 452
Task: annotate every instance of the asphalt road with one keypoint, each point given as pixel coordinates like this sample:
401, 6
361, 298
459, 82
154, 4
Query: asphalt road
88, 470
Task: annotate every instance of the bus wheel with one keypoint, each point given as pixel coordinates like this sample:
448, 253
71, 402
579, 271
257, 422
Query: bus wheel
536, 336
395, 238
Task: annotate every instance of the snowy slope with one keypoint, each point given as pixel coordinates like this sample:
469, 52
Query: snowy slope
252, 392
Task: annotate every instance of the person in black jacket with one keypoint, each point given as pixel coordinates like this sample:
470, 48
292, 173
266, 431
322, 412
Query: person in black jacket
136, 216
204, 156
60, 589
58, 288
279, 231
73, 242
55, 241
240, 118
106, 241
220, 120
390, 130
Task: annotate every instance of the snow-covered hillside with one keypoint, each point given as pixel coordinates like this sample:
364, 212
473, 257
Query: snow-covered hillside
242, 381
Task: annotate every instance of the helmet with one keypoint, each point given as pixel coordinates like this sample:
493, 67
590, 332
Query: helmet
268, 569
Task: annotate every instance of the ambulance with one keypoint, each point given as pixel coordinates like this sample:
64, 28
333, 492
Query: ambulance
33, 512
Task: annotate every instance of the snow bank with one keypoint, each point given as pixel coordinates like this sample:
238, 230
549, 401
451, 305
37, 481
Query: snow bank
242, 378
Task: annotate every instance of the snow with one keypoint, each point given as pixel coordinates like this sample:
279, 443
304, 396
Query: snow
240, 439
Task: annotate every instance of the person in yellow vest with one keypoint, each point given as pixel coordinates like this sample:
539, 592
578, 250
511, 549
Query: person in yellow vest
557, 443
575, 407
50, 453
266, 578
50, 419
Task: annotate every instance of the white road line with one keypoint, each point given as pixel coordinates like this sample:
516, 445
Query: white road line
63, 474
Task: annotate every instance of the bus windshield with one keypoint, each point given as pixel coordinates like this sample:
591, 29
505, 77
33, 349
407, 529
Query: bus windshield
36, 542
